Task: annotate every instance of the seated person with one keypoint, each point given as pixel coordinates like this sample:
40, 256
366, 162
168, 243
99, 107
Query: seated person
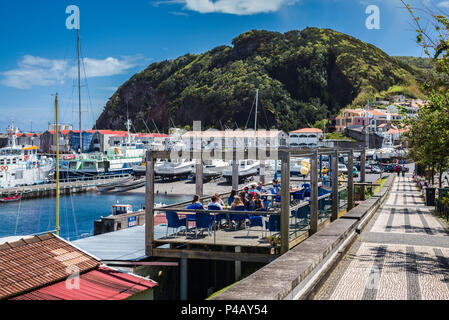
250, 204
215, 205
237, 203
275, 189
196, 204
243, 197
219, 201
246, 192
259, 203
261, 188
253, 190
232, 197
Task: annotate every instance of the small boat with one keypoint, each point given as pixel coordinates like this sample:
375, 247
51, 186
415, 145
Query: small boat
175, 168
213, 169
112, 185
15, 198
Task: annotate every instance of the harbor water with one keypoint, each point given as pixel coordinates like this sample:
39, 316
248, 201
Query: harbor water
77, 213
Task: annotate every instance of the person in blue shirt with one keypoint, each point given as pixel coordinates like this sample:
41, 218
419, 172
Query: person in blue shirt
215, 204
261, 188
196, 204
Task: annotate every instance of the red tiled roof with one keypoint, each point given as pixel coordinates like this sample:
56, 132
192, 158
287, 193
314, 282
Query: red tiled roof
377, 113
308, 130
100, 284
152, 135
393, 131
32, 263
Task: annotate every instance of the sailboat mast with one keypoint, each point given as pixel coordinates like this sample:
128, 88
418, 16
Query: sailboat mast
79, 87
257, 103
57, 166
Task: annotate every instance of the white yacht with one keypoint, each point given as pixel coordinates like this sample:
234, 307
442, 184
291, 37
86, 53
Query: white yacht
21, 165
385, 154
214, 168
247, 168
175, 168
141, 169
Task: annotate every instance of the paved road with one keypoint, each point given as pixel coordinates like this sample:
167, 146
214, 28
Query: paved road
402, 255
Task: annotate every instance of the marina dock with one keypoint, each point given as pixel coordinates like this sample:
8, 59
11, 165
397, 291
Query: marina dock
65, 188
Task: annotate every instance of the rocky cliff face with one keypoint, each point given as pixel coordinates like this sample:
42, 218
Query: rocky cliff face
303, 76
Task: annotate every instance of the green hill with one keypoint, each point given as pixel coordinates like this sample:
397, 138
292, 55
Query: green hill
303, 76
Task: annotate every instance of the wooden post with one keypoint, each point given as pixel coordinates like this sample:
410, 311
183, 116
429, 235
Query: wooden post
334, 215
199, 178
149, 205
285, 202
350, 180
235, 175
362, 173
262, 171
238, 266
314, 194
183, 278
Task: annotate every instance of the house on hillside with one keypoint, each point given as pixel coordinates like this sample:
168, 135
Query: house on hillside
350, 117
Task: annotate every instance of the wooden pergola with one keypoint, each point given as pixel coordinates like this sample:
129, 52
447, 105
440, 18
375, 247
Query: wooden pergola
283, 154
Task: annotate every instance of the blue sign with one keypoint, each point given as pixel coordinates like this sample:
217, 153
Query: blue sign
132, 222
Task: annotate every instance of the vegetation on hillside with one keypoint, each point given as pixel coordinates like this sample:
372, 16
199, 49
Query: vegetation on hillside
303, 77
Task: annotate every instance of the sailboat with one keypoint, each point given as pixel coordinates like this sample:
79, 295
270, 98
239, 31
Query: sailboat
246, 168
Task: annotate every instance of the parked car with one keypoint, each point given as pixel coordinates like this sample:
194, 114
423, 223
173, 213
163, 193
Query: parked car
342, 168
355, 172
373, 169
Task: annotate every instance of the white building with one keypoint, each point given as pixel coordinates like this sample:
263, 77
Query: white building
306, 138
243, 138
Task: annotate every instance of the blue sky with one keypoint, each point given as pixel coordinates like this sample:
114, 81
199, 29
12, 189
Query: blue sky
120, 38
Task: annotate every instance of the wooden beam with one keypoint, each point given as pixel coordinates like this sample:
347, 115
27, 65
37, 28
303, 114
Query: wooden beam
199, 178
362, 173
262, 171
149, 205
285, 202
334, 215
314, 194
350, 180
215, 255
235, 175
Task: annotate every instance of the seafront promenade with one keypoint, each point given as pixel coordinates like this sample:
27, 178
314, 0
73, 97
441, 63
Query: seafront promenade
403, 254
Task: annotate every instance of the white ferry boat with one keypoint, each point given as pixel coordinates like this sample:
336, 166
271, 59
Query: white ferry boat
117, 160
21, 165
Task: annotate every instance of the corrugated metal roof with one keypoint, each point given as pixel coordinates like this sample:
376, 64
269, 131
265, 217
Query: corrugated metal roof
31, 263
100, 284
126, 244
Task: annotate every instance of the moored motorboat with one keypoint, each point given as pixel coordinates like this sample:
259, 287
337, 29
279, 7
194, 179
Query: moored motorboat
15, 198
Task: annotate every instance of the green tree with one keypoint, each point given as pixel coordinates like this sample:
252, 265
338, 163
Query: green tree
428, 135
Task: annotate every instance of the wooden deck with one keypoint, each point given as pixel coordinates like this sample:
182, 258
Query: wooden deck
224, 236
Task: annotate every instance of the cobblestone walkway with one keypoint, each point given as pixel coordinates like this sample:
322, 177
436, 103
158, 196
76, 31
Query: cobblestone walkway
403, 254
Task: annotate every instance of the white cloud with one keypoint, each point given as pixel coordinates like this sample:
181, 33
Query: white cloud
37, 71
238, 7
34, 71
444, 4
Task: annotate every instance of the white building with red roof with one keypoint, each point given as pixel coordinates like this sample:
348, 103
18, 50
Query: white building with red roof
306, 138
